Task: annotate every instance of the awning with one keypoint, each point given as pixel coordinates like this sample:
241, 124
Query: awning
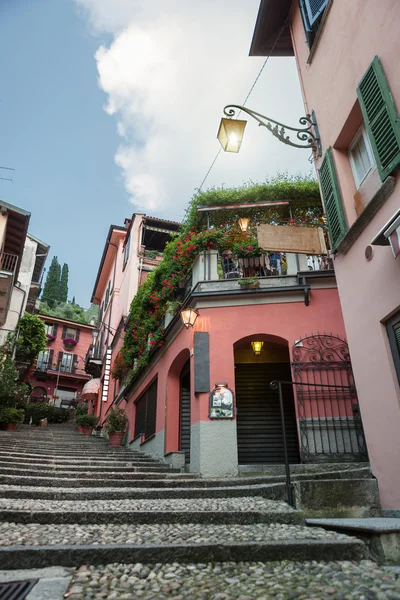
91, 387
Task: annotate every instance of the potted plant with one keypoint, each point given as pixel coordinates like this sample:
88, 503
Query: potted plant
87, 423
116, 422
11, 417
81, 409
69, 343
249, 283
50, 338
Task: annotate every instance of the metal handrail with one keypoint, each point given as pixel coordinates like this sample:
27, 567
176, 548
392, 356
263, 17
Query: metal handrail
8, 262
277, 385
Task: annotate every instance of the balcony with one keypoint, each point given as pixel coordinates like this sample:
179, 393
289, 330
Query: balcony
93, 362
8, 262
8, 265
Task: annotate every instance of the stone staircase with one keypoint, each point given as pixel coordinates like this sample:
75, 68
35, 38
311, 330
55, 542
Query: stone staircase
68, 500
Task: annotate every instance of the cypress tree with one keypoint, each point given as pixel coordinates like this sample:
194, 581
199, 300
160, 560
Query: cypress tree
51, 289
64, 284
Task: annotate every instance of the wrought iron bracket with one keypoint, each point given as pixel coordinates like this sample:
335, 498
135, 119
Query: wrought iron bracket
308, 134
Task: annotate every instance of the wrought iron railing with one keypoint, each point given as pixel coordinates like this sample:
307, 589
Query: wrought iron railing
272, 264
8, 262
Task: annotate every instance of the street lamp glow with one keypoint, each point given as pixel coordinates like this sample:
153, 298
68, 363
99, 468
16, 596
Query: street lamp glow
244, 224
230, 134
257, 347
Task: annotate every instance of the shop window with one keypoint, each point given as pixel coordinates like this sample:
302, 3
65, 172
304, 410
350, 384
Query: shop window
361, 156
393, 330
146, 410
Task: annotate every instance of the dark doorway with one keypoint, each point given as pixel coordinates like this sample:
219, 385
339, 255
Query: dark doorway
259, 429
184, 412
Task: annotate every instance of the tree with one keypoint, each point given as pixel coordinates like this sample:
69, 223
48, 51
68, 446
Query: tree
63, 295
51, 289
31, 337
10, 390
65, 310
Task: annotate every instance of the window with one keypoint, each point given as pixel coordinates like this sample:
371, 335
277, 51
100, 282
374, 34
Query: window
393, 330
311, 13
126, 251
361, 157
332, 200
107, 295
67, 362
381, 119
70, 333
43, 360
49, 329
146, 409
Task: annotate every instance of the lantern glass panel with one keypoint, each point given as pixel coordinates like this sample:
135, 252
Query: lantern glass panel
230, 134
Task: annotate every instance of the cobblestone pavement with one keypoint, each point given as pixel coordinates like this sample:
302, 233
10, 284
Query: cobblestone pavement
175, 504
242, 581
32, 534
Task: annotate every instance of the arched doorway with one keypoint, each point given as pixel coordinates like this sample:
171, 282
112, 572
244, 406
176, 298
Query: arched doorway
184, 412
259, 429
178, 380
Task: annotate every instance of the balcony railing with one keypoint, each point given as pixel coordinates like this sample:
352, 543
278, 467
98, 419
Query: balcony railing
272, 264
8, 262
44, 365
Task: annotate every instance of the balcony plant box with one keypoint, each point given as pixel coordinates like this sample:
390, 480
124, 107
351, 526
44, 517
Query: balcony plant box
69, 343
116, 423
11, 417
50, 338
249, 283
87, 423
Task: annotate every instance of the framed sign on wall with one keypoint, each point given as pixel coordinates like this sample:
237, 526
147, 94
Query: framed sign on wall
221, 403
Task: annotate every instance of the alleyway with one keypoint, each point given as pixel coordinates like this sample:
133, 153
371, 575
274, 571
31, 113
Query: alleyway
149, 532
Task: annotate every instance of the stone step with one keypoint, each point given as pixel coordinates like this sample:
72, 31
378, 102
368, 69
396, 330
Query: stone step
74, 469
76, 454
88, 461
69, 545
274, 491
100, 473
302, 468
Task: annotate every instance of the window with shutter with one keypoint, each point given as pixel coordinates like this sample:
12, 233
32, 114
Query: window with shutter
381, 118
311, 14
146, 412
393, 331
314, 9
332, 199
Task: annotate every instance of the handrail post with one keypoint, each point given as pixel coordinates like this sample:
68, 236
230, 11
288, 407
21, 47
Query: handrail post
289, 486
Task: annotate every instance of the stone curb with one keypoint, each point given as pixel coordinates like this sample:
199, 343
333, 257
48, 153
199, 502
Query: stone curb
152, 517
70, 556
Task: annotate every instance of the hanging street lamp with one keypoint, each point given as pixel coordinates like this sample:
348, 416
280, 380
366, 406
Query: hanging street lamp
230, 133
244, 224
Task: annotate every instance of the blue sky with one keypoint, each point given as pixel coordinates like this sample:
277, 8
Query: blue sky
111, 107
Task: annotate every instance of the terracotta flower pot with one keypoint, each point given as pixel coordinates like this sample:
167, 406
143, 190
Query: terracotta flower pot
80, 429
11, 426
115, 438
87, 431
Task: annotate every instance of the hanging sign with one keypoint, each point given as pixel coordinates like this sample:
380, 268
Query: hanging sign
221, 403
284, 238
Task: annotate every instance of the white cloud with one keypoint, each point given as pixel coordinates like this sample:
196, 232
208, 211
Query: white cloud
170, 69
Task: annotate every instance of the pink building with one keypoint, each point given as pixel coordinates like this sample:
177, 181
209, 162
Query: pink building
347, 57
130, 253
204, 400
59, 371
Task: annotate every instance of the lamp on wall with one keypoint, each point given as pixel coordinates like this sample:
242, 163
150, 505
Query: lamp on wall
189, 316
257, 347
244, 224
231, 131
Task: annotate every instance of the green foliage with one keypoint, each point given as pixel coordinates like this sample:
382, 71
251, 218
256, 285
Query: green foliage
39, 411
87, 420
12, 415
116, 420
10, 389
161, 290
63, 295
31, 337
70, 311
81, 409
51, 291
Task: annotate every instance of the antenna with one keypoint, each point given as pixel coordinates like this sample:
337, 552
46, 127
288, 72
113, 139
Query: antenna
6, 178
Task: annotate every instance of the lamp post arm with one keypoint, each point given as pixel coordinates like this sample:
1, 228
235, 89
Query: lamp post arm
308, 134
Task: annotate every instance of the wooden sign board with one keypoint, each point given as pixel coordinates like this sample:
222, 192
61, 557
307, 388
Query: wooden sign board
283, 238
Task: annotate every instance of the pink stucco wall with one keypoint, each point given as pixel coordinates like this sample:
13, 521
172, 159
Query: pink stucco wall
354, 33
227, 325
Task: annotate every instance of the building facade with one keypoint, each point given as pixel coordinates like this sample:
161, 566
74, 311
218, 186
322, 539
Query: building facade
347, 58
59, 372
130, 253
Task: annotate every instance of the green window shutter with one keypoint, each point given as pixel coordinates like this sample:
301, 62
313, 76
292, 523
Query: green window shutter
380, 117
332, 199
